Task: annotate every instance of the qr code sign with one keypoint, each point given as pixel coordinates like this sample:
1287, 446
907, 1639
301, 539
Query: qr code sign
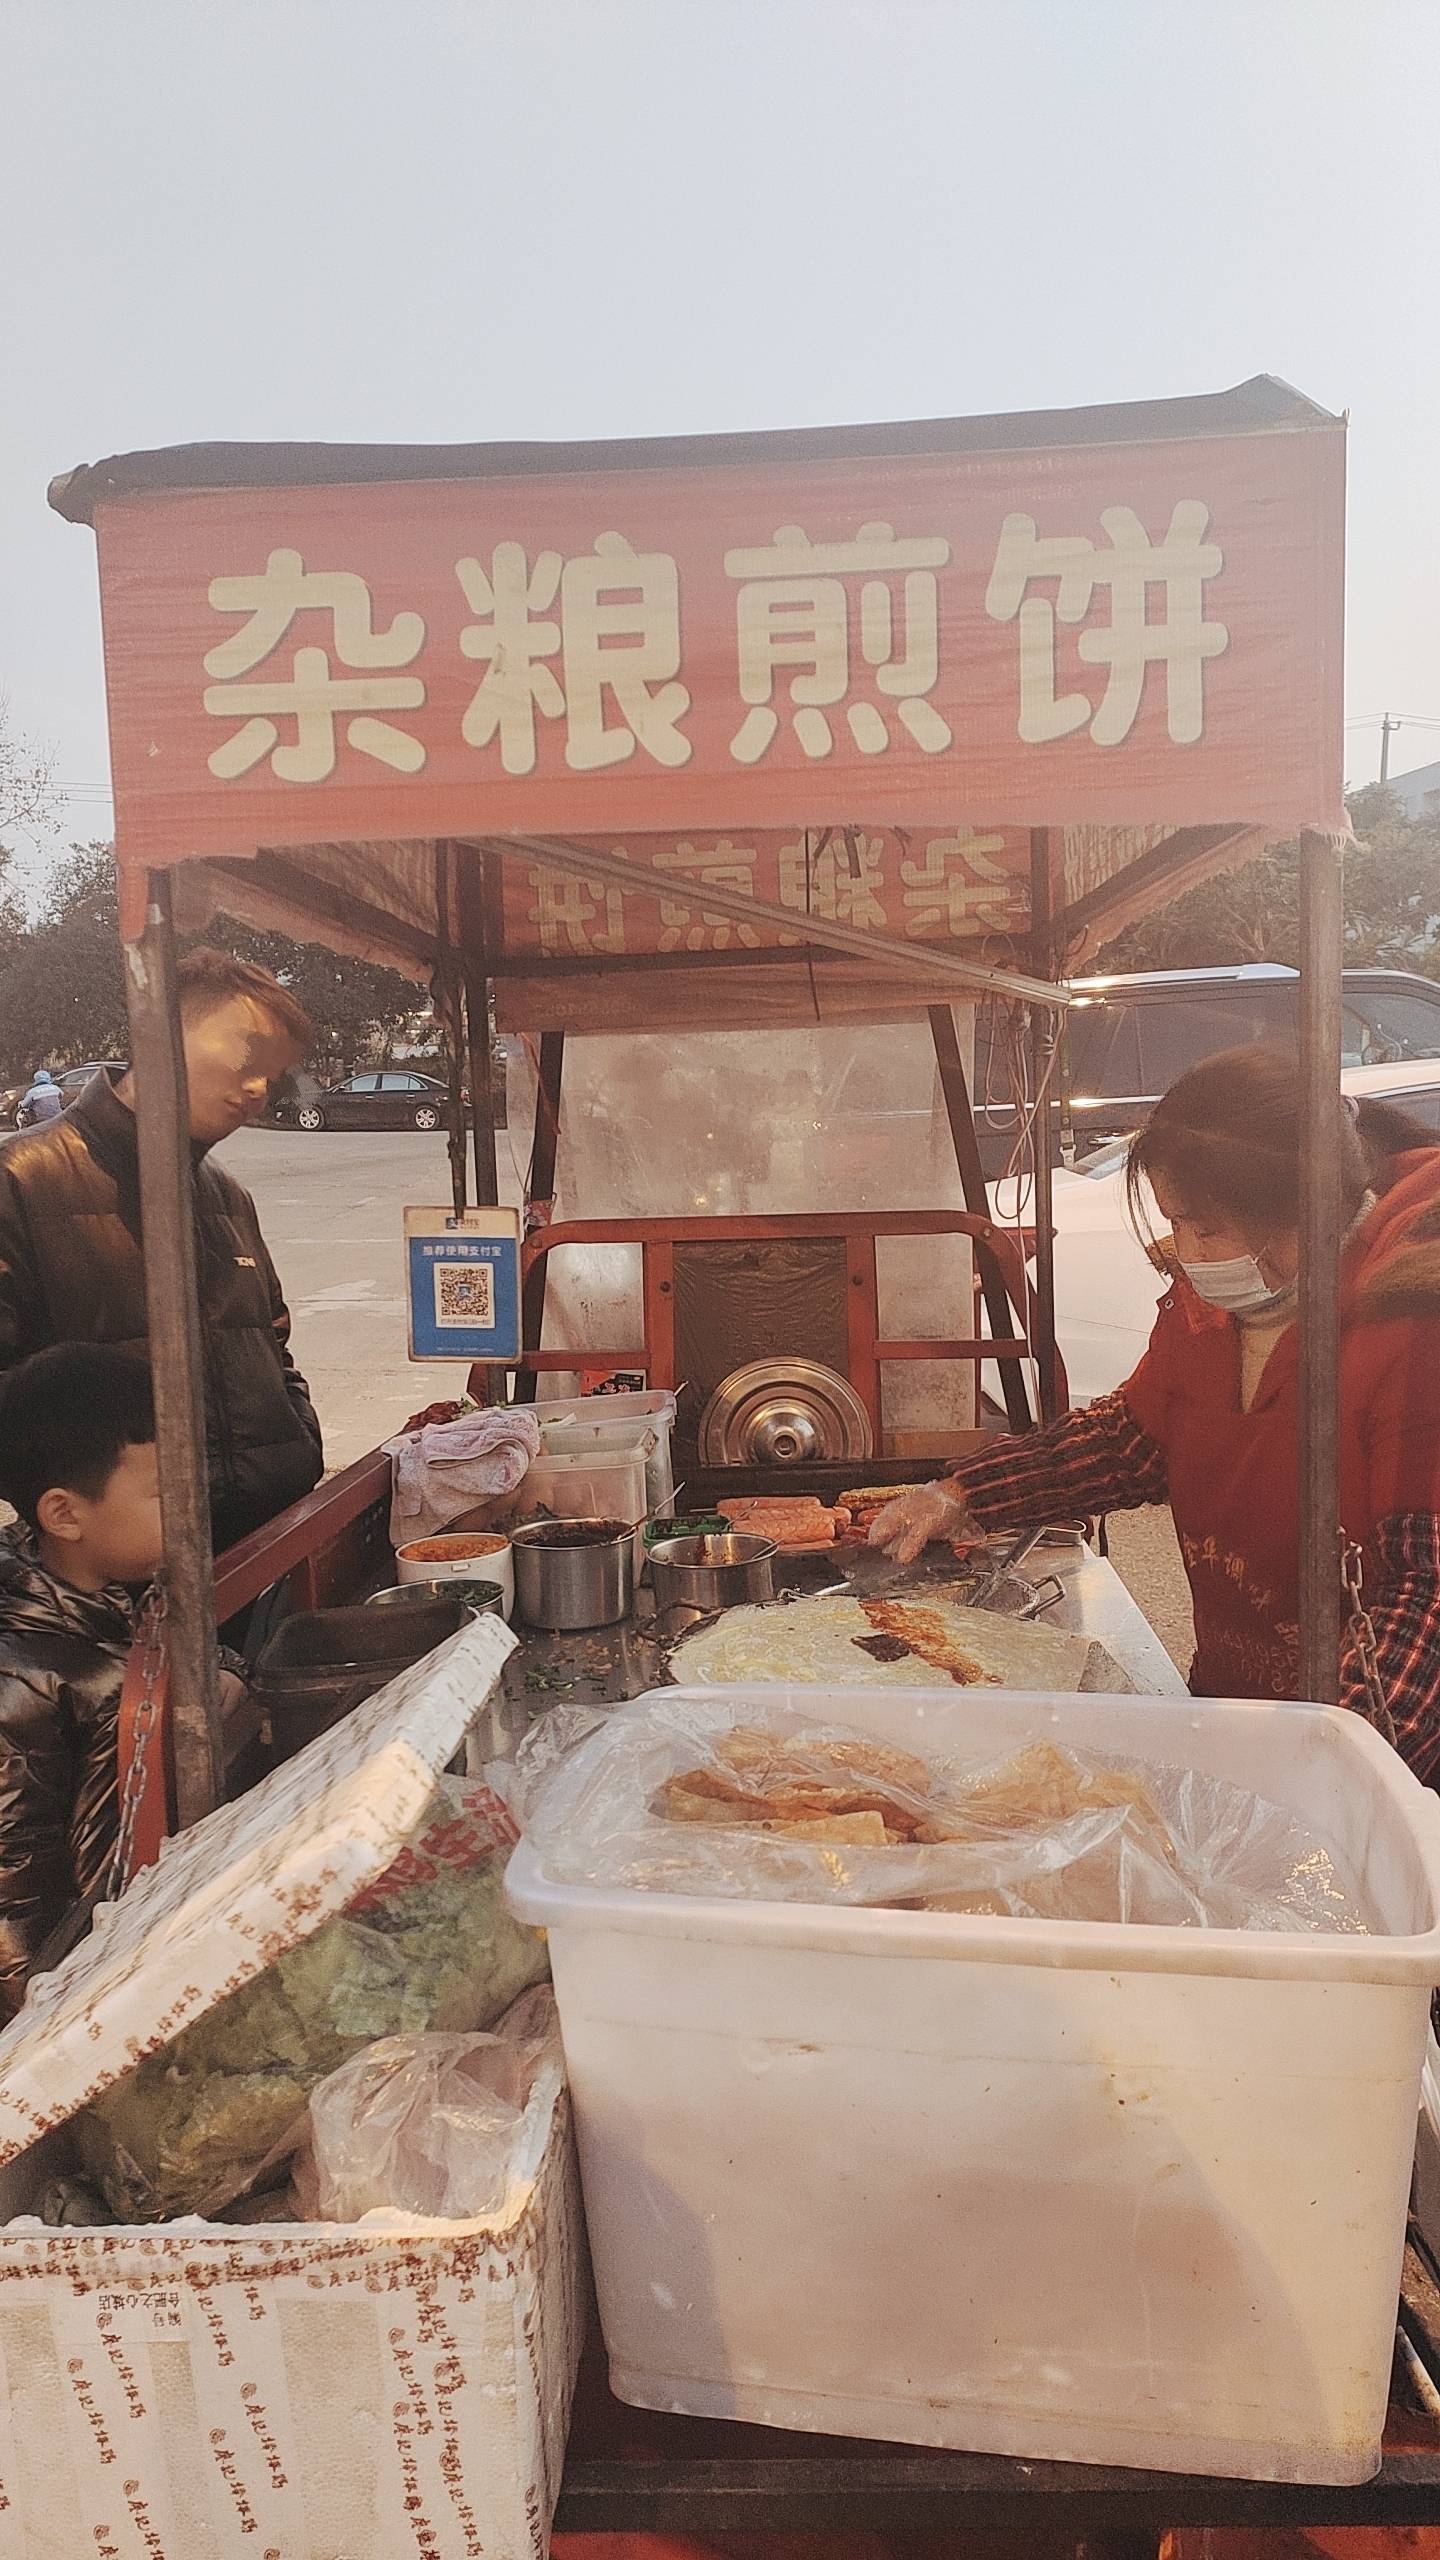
464, 1296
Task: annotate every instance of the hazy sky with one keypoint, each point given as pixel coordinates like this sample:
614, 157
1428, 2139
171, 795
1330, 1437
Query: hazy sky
467, 219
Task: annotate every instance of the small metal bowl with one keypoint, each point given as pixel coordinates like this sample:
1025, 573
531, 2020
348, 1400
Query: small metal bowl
483, 1599
712, 1572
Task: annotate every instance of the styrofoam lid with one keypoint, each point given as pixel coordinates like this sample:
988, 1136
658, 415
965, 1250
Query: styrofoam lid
230, 1896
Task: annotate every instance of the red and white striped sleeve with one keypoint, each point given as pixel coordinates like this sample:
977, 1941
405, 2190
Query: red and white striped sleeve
1097, 1460
1404, 1609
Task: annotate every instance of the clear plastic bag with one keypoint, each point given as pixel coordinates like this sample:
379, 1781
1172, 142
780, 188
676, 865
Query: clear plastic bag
429, 1946
675, 1795
423, 2125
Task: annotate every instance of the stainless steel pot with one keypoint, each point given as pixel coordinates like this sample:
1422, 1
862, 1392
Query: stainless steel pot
711, 1572
569, 1583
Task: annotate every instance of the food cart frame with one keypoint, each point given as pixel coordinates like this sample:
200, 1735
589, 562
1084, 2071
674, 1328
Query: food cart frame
147, 505
625, 2472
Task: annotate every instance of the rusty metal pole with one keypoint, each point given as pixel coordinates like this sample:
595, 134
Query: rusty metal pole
541, 1200
450, 1007
474, 956
1043, 1030
954, 1085
167, 1217
1322, 874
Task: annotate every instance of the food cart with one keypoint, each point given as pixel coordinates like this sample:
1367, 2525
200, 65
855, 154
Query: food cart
771, 730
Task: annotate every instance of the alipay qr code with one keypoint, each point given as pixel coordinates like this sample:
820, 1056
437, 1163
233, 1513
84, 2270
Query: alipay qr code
464, 1296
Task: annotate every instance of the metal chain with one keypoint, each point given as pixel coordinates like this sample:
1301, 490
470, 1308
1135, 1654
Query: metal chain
1352, 1575
150, 1638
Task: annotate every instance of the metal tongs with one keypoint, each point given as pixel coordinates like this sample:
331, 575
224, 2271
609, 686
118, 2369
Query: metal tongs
1009, 1560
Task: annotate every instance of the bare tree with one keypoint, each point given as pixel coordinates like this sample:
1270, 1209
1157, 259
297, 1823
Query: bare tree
29, 794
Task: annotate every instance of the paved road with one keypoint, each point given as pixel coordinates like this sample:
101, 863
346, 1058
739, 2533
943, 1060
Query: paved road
333, 1206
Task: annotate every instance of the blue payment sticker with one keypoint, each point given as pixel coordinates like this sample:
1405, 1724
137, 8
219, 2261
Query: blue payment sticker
463, 1284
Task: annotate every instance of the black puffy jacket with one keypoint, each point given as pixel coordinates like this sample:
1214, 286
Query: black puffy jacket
62, 1667
72, 1270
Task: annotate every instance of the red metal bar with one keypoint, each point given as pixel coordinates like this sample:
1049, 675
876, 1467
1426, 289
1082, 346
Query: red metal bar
1007, 1348
637, 1357
839, 1222
859, 1229
862, 1325
297, 1539
658, 1267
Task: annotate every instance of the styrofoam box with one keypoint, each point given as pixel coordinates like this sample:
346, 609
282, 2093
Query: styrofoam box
198, 2391
1058, 2190
314, 2391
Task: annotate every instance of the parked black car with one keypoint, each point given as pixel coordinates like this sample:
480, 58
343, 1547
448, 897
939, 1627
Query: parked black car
377, 1099
1127, 1039
392, 1098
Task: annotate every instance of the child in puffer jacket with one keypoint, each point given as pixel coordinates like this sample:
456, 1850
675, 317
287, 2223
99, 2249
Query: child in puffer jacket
77, 1461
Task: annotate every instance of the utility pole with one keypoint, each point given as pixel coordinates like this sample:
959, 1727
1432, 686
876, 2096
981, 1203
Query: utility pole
1386, 725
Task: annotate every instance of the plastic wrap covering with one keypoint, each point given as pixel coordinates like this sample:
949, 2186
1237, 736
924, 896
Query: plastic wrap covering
740, 1124
424, 2124
673, 1795
431, 1945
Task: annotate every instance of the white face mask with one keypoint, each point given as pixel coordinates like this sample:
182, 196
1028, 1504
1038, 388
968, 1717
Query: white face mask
1237, 1287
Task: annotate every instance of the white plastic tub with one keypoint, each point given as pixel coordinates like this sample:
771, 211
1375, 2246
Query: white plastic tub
638, 1417
1057, 2190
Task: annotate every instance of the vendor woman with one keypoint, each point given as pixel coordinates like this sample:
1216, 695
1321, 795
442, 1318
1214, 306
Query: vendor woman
1209, 1422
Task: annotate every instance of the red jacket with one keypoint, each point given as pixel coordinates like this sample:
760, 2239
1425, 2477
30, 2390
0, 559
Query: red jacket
1176, 1433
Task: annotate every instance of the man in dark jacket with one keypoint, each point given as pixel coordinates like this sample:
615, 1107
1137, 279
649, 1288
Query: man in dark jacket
71, 1262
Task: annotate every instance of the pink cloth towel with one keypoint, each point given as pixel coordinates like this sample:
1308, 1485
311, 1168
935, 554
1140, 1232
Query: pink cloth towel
444, 1470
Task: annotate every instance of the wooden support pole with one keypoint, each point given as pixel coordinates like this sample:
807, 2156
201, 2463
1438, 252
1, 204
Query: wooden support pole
167, 1216
1044, 848
475, 968
956, 1090
541, 1199
1322, 874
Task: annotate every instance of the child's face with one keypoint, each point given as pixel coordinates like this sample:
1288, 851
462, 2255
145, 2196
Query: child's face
112, 1536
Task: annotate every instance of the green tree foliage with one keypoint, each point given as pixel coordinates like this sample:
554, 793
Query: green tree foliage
1392, 903
359, 1011
62, 991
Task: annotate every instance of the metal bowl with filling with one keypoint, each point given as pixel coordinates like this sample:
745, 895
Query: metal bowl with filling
714, 1571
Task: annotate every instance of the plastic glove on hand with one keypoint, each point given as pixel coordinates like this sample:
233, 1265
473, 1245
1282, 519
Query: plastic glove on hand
922, 1512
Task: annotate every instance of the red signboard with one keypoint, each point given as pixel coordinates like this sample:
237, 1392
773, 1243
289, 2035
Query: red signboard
1119, 635
932, 887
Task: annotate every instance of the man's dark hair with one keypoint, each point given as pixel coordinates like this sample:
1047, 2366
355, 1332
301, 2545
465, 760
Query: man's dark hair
206, 979
67, 1416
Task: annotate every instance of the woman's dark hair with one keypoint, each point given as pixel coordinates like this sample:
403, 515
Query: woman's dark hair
67, 1417
1226, 1140
1385, 1132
